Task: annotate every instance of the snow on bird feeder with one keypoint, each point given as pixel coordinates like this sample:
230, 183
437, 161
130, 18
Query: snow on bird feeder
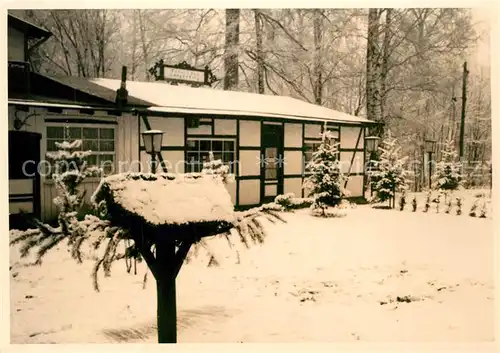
170, 212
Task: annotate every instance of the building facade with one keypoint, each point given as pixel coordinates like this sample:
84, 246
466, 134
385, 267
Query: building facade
266, 140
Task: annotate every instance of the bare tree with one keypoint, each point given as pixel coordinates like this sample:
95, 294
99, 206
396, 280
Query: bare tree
259, 52
373, 69
231, 66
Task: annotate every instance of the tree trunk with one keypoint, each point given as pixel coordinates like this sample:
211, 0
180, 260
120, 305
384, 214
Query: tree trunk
260, 54
385, 63
165, 290
318, 69
231, 49
134, 45
373, 71
145, 55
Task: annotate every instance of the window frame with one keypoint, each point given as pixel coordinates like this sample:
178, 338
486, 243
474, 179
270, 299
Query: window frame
98, 139
189, 165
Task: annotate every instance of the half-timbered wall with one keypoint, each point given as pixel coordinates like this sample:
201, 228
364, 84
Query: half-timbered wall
249, 180
244, 132
294, 158
125, 145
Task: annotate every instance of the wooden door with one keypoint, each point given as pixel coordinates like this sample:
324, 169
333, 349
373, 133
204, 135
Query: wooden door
272, 161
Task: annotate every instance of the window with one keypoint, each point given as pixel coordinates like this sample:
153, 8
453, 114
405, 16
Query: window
99, 140
198, 150
311, 146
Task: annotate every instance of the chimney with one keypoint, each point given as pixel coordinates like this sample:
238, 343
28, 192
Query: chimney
122, 93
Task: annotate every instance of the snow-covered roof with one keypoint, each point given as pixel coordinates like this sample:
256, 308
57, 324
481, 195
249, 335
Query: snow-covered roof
184, 99
168, 199
33, 103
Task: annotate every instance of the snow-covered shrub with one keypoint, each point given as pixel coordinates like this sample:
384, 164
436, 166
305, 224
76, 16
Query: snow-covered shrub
301, 202
332, 212
326, 180
390, 174
289, 202
285, 200
448, 171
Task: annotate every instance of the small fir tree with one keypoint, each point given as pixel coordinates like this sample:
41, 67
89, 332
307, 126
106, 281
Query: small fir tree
390, 175
414, 204
473, 208
483, 209
428, 201
326, 182
449, 206
459, 206
447, 176
438, 202
402, 201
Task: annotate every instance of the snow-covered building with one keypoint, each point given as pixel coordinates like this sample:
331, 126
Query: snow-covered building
266, 140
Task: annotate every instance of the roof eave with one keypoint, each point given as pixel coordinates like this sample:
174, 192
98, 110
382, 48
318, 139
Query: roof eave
166, 111
31, 30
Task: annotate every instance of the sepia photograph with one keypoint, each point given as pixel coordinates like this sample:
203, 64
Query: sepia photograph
249, 175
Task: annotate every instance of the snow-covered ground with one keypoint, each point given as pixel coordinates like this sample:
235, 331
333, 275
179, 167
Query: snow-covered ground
314, 280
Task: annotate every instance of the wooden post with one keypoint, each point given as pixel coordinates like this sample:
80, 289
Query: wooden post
464, 102
394, 197
165, 290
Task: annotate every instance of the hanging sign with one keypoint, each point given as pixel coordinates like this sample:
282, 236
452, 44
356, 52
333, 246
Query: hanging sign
182, 73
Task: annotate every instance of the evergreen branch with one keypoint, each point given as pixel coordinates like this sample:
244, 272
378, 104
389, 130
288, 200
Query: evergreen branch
23, 236
262, 233
273, 216
242, 230
213, 261
47, 246
75, 251
95, 271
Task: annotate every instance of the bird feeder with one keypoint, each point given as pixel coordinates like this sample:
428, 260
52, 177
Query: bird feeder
169, 212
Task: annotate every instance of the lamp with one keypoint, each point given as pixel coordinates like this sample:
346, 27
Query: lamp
371, 143
430, 148
430, 145
152, 144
